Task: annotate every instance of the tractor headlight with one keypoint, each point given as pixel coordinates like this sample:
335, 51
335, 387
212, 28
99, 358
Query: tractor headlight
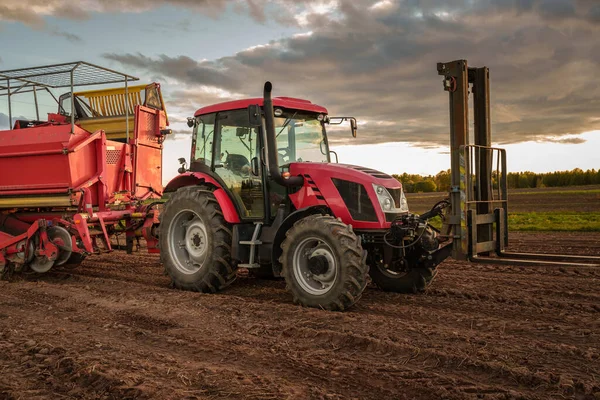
385, 198
403, 202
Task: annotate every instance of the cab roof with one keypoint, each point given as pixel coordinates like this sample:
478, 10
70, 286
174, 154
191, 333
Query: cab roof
283, 102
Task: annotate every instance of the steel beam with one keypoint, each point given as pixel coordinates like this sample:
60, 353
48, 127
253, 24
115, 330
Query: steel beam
456, 83
480, 77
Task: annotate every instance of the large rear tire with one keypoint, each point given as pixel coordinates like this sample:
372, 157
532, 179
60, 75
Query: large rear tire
195, 241
324, 264
415, 280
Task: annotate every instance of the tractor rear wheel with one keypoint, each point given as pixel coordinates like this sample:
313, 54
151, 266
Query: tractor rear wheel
324, 264
195, 241
414, 280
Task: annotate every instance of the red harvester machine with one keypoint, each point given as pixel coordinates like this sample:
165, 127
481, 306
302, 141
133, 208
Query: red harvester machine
65, 190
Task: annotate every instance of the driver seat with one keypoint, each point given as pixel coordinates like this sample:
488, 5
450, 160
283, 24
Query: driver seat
236, 162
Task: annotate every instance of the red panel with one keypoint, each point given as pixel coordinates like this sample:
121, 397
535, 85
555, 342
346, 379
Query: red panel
321, 174
195, 178
42, 158
284, 102
148, 153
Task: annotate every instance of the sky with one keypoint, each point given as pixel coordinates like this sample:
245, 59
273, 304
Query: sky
375, 60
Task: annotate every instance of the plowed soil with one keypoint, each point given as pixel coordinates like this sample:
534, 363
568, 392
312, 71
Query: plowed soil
114, 329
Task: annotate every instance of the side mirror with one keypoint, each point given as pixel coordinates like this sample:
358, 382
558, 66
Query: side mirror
353, 126
254, 115
241, 131
183, 163
191, 122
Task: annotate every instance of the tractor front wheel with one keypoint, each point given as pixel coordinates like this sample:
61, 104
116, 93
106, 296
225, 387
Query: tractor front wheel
324, 264
195, 241
414, 280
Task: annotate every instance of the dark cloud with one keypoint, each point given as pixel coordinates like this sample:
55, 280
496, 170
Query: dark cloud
377, 61
66, 35
569, 140
31, 12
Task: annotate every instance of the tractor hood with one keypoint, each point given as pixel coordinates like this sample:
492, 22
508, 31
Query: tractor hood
355, 194
349, 172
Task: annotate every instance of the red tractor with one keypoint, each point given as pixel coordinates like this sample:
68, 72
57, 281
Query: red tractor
262, 193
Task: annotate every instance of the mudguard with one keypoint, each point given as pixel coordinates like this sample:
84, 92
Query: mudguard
230, 213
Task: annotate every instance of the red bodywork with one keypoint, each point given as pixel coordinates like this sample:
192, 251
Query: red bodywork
317, 182
80, 181
197, 178
283, 102
318, 190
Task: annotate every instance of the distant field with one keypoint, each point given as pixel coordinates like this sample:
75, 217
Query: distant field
542, 209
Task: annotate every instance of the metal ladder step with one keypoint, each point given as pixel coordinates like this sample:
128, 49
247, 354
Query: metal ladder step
252, 243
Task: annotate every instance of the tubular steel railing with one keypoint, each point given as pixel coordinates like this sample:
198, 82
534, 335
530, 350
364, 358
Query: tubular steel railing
492, 223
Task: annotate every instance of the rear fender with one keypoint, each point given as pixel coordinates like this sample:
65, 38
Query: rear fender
198, 178
287, 223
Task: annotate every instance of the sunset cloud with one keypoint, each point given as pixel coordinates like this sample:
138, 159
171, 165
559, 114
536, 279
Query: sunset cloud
376, 60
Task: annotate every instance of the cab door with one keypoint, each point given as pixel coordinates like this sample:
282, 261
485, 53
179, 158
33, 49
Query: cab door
236, 144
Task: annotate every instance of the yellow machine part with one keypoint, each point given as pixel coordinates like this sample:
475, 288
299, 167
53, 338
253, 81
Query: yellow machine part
108, 108
111, 102
114, 127
26, 202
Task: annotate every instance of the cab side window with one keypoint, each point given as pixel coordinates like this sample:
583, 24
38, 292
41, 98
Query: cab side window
237, 145
203, 139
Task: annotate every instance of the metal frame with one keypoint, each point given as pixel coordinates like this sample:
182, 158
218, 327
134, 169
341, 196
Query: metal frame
475, 208
77, 73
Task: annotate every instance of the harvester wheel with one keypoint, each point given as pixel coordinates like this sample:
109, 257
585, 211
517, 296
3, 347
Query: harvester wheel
324, 264
195, 241
74, 261
414, 280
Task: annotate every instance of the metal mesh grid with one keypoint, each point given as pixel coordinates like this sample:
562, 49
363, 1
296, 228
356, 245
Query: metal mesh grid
59, 76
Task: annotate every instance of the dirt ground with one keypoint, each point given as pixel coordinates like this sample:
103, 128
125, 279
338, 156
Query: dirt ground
114, 329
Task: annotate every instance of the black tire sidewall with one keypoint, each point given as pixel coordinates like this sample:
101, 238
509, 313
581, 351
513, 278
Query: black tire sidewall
306, 298
349, 255
189, 199
413, 281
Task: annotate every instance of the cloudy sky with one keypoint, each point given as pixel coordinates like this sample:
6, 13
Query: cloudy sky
375, 60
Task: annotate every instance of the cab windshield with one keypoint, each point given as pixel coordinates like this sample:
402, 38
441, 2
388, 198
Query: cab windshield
301, 138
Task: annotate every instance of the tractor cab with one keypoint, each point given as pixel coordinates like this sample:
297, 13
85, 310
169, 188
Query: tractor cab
227, 145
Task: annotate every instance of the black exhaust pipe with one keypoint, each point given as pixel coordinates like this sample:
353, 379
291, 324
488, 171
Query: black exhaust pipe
272, 142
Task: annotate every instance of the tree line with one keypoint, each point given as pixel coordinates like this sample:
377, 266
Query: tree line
414, 183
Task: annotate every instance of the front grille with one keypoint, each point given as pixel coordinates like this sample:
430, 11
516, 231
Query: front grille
371, 237
356, 199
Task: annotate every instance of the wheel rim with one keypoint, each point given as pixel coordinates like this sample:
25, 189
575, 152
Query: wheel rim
188, 241
315, 267
62, 239
389, 273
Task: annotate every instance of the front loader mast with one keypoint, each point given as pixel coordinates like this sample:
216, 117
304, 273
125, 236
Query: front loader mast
478, 216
